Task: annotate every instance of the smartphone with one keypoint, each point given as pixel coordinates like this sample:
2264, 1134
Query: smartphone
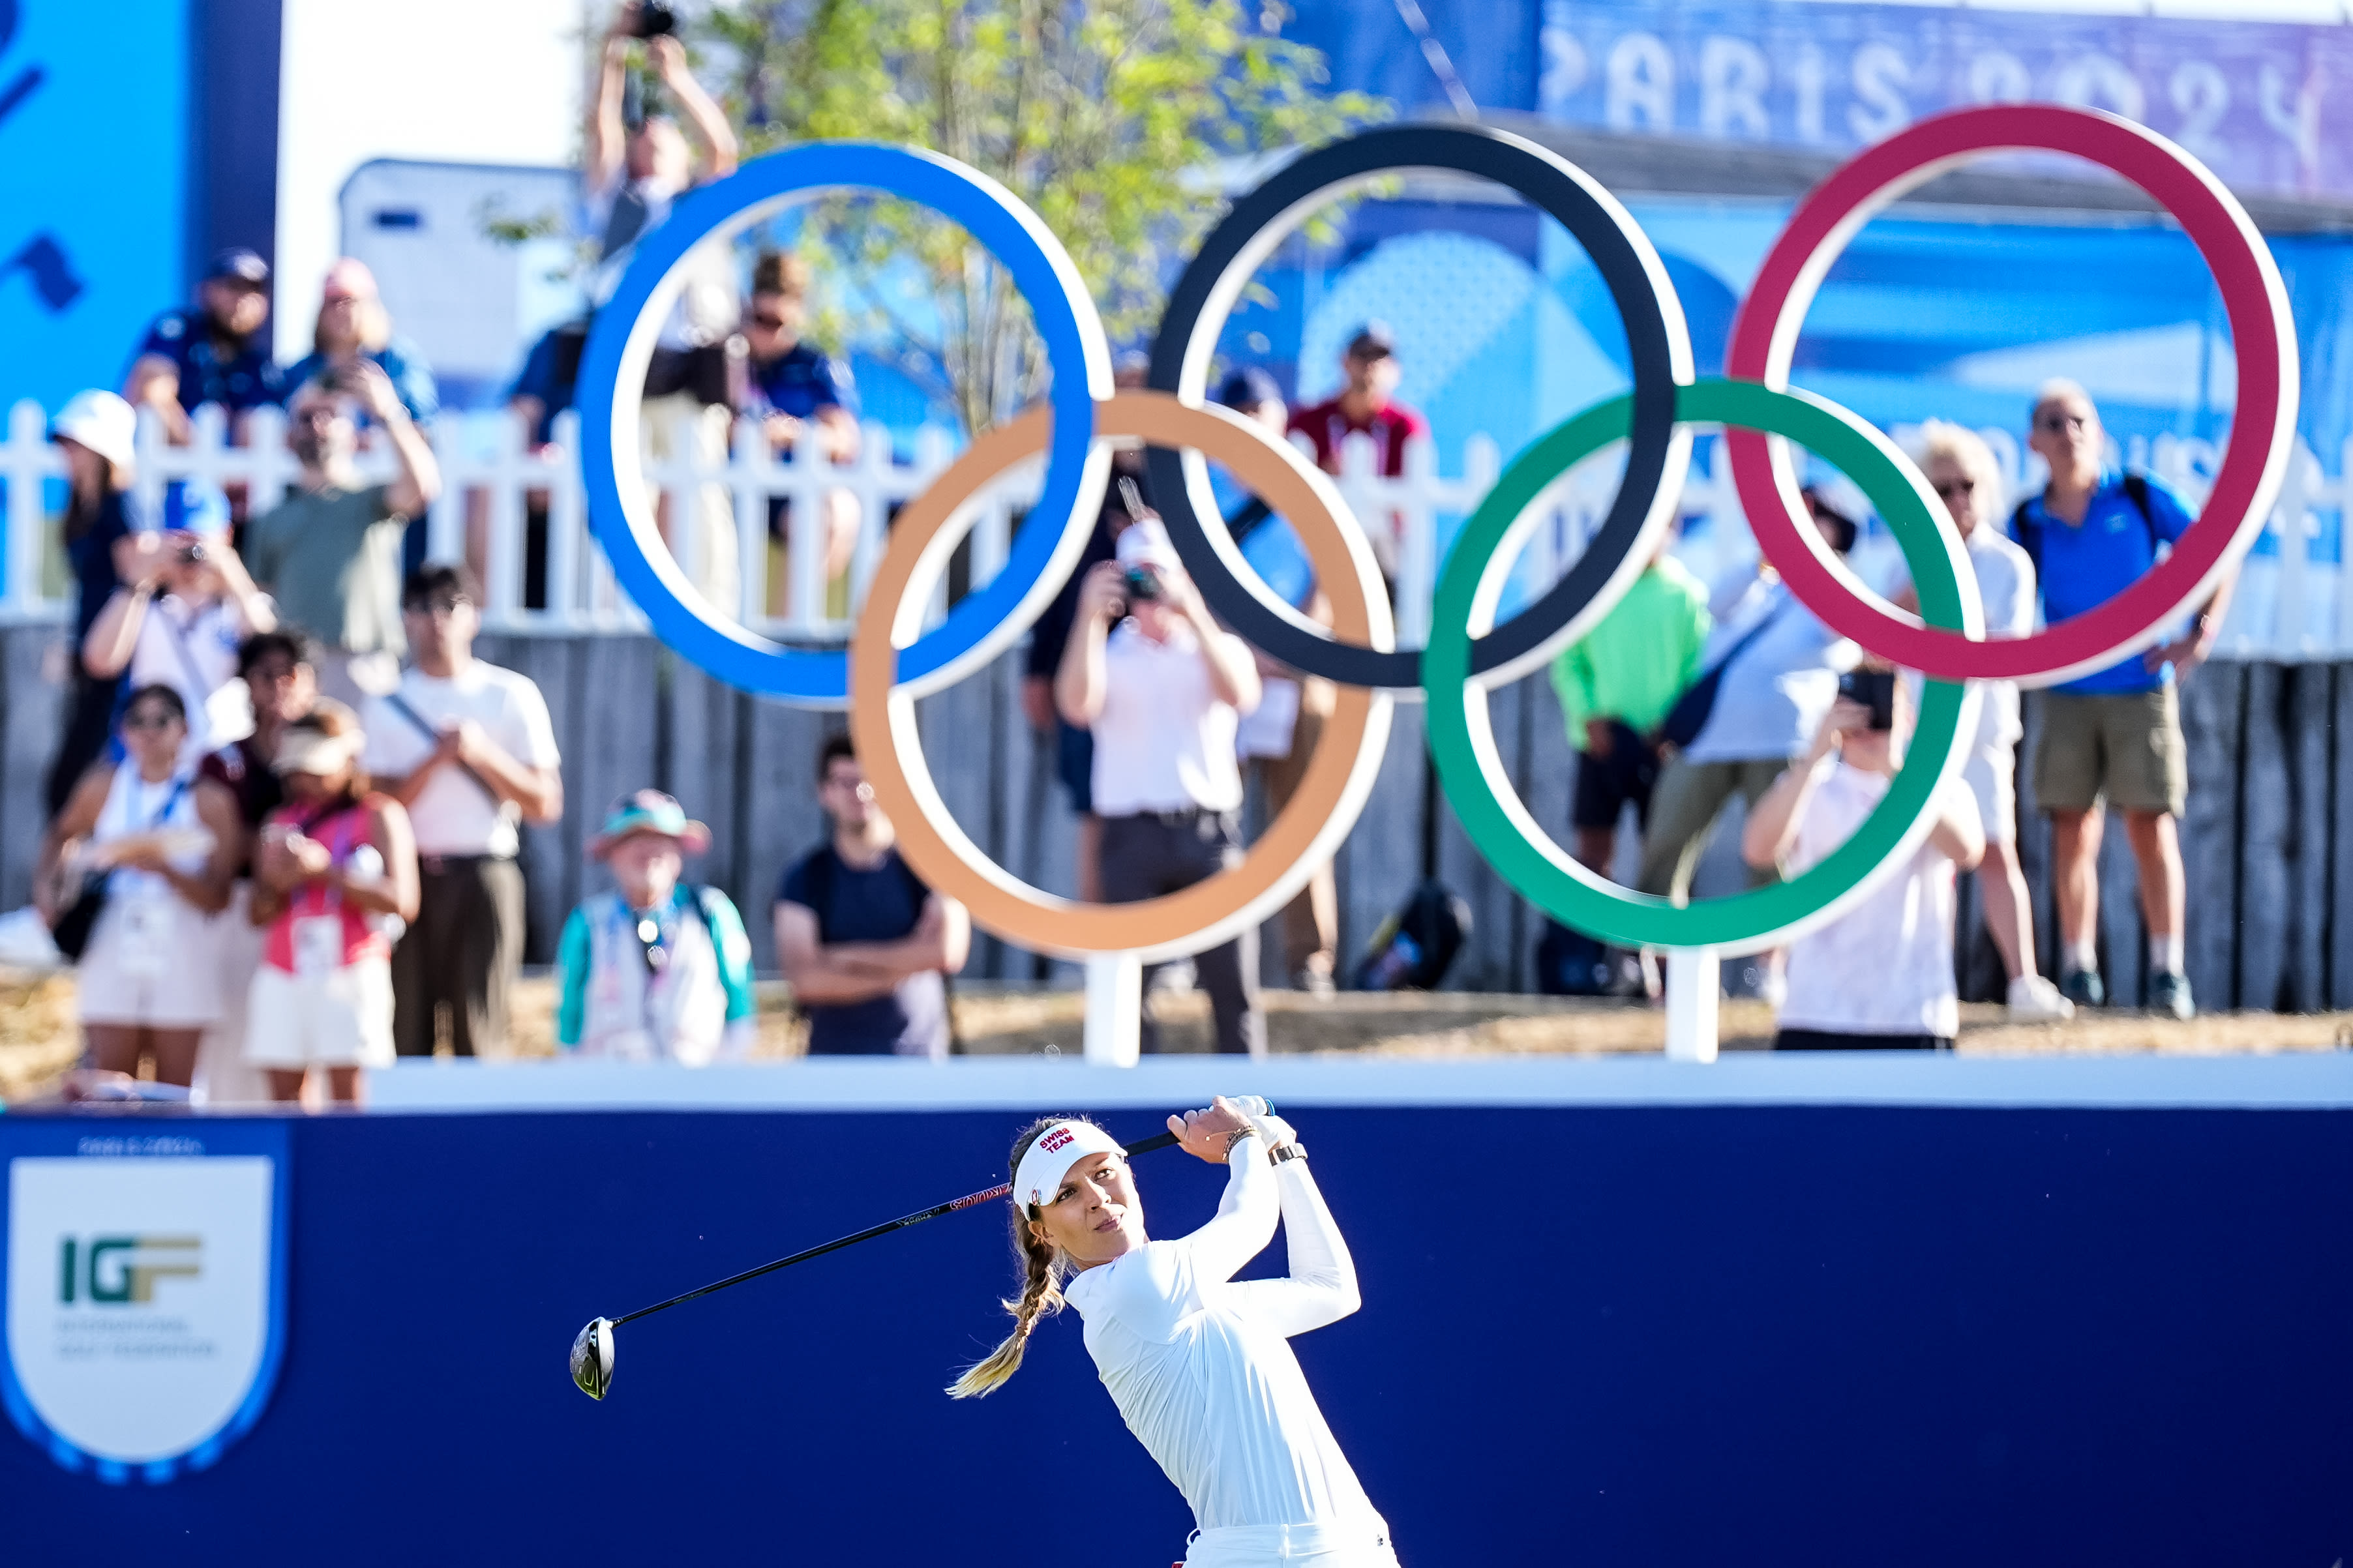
1875, 689
1142, 585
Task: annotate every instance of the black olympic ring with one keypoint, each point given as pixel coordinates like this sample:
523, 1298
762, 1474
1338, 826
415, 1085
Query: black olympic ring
1660, 347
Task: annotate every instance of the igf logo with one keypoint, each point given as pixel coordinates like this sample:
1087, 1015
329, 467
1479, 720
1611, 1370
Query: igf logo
124, 1268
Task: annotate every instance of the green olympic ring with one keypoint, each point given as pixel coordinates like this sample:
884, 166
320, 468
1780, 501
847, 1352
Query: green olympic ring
1462, 741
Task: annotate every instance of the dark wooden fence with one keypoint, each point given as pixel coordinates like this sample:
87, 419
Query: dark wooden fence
2270, 872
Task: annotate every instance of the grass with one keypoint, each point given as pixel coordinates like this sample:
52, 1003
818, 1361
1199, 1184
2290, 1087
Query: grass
39, 1040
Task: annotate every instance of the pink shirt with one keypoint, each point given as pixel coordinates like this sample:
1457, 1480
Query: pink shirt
343, 935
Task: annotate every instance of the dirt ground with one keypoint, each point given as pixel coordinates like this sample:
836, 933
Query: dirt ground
39, 1041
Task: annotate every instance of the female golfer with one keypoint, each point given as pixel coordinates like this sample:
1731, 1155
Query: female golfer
1199, 1363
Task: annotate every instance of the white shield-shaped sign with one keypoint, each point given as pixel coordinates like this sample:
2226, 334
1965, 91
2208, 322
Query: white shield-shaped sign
146, 1287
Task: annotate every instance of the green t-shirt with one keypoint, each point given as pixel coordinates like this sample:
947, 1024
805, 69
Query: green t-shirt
1633, 665
331, 560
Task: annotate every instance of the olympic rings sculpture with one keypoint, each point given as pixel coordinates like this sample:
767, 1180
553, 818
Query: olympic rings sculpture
893, 661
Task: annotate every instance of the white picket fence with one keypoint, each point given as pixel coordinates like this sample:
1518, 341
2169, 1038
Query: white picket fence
2290, 606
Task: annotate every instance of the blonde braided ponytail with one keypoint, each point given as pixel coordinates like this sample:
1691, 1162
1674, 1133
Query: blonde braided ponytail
1041, 1291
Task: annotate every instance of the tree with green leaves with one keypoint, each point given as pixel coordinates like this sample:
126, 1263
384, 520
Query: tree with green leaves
1111, 118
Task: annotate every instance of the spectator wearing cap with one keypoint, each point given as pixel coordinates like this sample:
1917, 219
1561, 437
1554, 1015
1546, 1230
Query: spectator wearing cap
1366, 405
188, 605
329, 553
354, 325
211, 353
633, 174
336, 878
95, 432
658, 969
281, 687
1616, 684
865, 945
1279, 736
2112, 738
1164, 689
799, 394
467, 748
1774, 672
1074, 745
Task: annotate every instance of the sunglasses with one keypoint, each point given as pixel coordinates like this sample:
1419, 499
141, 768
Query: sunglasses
768, 323
445, 604
1953, 489
2063, 424
151, 719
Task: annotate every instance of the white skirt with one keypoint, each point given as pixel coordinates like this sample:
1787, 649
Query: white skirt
1292, 1546
338, 1018
149, 964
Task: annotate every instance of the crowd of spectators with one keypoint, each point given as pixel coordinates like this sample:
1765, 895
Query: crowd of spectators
1676, 706
287, 798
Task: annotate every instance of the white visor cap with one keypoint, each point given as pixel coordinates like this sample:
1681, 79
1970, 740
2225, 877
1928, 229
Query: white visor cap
1051, 1156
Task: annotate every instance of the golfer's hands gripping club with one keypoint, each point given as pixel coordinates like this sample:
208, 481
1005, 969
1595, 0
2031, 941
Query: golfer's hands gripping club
1209, 1134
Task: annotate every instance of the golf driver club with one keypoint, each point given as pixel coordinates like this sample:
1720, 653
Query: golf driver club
592, 1350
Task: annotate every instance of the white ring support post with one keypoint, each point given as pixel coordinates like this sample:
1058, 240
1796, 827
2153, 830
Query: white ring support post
1695, 982
1114, 1021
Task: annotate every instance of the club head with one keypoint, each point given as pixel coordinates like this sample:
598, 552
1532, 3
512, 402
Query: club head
592, 1358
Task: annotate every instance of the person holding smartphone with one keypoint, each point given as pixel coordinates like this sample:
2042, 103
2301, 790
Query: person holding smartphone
330, 552
1162, 687
1879, 976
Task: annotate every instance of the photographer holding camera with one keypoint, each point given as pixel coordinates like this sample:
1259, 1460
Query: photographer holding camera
1162, 688
638, 164
1879, 976
329, 553
186, 606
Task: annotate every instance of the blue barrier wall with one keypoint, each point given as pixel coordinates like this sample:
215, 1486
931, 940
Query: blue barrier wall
1655, 1336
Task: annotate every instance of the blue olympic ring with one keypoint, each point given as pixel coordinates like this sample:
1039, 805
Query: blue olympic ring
1047, 545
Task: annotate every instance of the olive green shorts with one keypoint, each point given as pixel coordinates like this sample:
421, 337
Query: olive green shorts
2125, 747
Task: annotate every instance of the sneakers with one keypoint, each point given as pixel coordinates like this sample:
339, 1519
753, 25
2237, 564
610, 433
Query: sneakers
2170, 994
1315, 980
2083, 987
2034, 1000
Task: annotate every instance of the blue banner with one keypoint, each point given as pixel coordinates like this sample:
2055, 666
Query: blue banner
1655, 1336
94, 139
2254, 100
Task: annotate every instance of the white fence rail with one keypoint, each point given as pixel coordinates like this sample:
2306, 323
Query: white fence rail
2290, 606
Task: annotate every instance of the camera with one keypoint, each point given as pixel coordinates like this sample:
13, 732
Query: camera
655, 20
1140, 583
1875, 689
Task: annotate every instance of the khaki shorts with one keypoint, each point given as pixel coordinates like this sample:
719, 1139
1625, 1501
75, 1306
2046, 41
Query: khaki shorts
2126, 748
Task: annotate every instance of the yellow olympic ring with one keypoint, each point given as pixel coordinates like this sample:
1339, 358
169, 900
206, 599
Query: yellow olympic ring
1338, 778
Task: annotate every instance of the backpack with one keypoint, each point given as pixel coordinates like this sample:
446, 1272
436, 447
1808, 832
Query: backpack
2029, 533
1414, 948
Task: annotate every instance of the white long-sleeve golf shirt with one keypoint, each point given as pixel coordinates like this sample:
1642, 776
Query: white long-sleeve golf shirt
1200, 1365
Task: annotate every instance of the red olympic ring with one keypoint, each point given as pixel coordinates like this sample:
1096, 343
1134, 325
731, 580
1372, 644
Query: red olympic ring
2263, 429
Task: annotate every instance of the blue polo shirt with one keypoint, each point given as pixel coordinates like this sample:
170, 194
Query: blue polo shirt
400, 360
801, 381
245, 379
2082, 566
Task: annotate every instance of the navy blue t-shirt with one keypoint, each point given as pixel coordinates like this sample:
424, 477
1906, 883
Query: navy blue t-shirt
238, 381
92, 559
883, 904
801, 381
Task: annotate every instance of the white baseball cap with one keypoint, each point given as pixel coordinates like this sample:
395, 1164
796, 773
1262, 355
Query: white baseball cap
103, 423
1146, 543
